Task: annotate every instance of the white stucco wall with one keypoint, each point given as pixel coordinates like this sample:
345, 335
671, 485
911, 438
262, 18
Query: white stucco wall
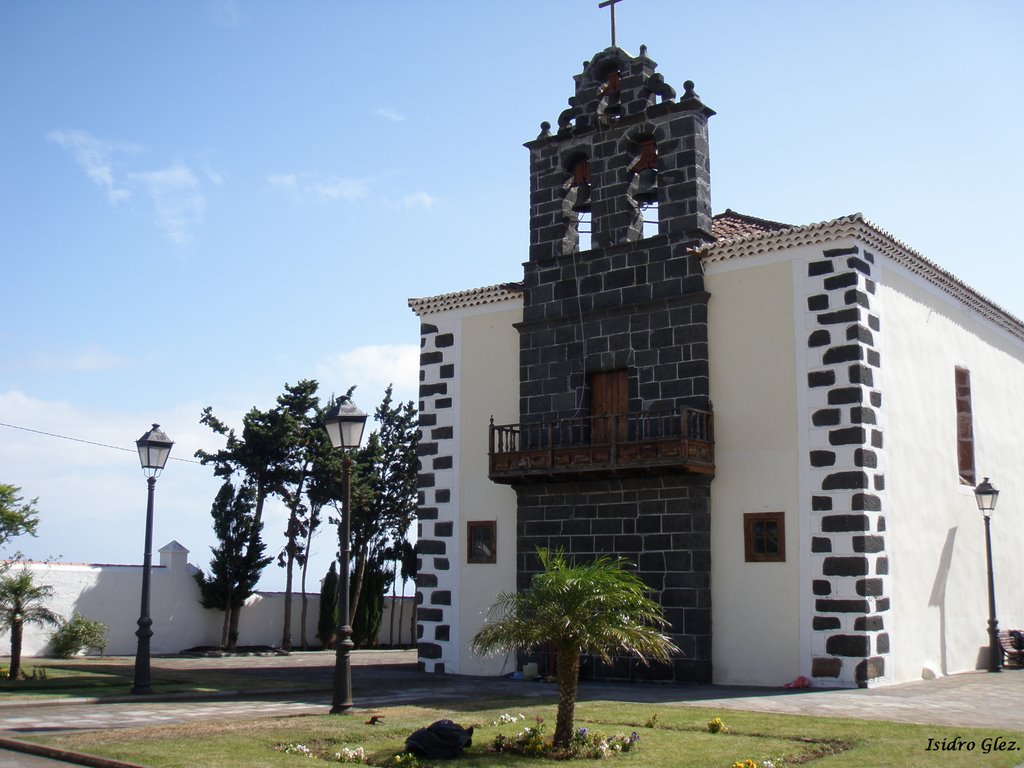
933, 532
755, 606
470, 371
936, 534
489, 361
112, 594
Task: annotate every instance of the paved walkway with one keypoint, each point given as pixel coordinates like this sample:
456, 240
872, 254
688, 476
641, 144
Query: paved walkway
387, 678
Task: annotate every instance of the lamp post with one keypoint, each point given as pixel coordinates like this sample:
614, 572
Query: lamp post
344, 424
986, 496
154, 448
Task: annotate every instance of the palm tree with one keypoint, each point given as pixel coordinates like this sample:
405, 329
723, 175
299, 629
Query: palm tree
597, 608
21, 603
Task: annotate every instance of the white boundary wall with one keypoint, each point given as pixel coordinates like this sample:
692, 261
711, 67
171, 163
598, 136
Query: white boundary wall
112, 594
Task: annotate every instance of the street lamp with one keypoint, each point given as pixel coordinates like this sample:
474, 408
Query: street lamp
154, 448
986, 496
345, 425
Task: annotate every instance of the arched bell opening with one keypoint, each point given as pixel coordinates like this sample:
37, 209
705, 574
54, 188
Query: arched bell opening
643, 187
576, 205
608, 74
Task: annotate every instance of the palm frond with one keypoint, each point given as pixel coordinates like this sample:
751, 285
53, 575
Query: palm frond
598, 607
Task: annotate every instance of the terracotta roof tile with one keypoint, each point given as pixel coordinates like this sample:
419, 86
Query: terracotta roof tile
731, 225
471, 298
856, 226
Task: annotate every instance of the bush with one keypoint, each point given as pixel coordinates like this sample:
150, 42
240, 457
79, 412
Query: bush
78, 635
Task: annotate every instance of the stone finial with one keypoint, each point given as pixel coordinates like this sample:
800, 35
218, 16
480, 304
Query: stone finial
545, 130
688, 92
643, 51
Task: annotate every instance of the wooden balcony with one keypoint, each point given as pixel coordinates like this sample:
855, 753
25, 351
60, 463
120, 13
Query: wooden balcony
623, 445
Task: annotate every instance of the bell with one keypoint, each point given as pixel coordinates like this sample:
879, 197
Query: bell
613, 106
582, 204
647, 186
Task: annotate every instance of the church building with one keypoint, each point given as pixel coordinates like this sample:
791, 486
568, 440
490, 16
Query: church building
781, 426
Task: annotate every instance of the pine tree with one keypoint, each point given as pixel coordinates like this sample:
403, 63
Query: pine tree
299, 403
17, 516
261, 457
384, 488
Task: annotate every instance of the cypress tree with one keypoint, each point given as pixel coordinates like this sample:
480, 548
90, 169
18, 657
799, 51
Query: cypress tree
327, 626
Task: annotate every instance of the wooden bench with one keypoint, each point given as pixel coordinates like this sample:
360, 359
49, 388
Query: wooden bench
1010, 652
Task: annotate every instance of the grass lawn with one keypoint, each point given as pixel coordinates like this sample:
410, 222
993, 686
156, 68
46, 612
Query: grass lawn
114, 676
670, 737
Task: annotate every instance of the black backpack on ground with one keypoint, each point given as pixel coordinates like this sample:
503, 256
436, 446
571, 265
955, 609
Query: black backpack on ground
442, 740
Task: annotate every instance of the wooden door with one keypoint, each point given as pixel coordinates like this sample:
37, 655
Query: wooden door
609, 396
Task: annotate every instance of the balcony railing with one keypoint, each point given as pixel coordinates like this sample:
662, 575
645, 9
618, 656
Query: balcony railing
621, 445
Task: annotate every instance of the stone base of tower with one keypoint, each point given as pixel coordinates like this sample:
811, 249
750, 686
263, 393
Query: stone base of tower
660, 525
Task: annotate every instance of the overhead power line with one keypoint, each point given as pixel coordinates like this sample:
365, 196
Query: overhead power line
87, 442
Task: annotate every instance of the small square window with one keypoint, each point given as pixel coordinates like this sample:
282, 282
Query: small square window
764, 537
482, 538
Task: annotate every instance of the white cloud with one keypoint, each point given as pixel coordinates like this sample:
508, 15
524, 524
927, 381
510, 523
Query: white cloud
96, 157
226, 13
417, 200
336, 188
284, 180
371, 369
91, 358
92, 493
390, 114
178, 199
176, 191
327, 187
83, 467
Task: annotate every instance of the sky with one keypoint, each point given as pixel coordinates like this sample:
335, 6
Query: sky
201, 201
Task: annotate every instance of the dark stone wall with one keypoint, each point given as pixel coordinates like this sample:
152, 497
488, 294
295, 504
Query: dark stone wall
641, 307
611, 146
661, 525
629, 303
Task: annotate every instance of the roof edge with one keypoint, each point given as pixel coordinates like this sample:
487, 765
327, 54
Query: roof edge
474, 297
855, 225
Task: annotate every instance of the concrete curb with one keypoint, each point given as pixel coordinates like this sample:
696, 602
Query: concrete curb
64, 755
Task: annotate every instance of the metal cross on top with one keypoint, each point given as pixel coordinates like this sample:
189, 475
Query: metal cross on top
610, 4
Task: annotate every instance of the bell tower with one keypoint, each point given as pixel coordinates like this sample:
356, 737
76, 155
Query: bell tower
643, 150
614, 344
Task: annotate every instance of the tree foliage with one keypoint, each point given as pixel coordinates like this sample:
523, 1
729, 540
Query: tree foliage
22, 602
596, 608
384, 488
327, 625
307, 441
370, 609
261, 458
17, 516
237, 562
77, 635
285, 452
